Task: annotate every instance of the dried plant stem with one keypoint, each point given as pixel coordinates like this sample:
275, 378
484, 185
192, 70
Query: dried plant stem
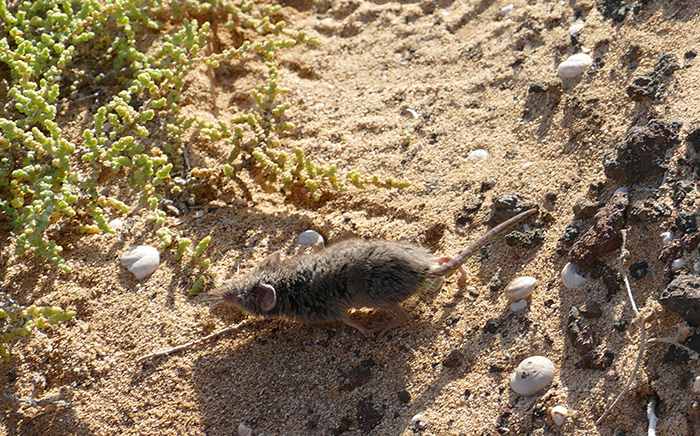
198, 341
642, 327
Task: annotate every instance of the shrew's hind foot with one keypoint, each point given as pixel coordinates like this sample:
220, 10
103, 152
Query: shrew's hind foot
462, 280
356, 324
382, 329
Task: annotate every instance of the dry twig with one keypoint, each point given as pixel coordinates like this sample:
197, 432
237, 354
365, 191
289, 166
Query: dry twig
198, 341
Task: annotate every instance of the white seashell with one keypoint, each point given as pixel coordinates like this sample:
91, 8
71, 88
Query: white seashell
678, 264
696, 385
570, 277
667, 237
506, 9
418, 422
413, 113
532, 375
574, 66
575, 29
199, 214
520, 288
141, 260
478, 155
244, 430
116, 223
519, 305
310, 237
559, 414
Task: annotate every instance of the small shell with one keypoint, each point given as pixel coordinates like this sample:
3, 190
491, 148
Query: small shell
116, 223
574, 66
696, 385
532, 375
519, 305
666, 237
520, 288
141, 260
477, 155
559, 414
310, 237
244, 430
418, 422
506, 9
678, 264
575, 29
570, 277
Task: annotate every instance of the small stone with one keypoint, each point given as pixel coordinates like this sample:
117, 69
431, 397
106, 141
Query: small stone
621, 325
693, 138
570, 277
310, 237
517, 306
687, 223
532, 375
491, 326
682, 296
591, 310
585, 208
604, 236
418, 422
141, 260
477, 155
639, 270
487, 184
574, 66
520, 288
404, 396
527, 239
453, 359
641, 155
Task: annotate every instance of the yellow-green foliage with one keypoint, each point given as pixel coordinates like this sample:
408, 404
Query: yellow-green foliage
17, 321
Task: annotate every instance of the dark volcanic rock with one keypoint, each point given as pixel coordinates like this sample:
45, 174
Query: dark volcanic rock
687, 223
604, 236
527, 239
614, 9
641, 154
586, 342
507, 206
682, 296
639, 270
693, 138
367, 415
654, 84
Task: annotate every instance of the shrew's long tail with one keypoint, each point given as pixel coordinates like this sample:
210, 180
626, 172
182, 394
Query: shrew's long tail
452, 265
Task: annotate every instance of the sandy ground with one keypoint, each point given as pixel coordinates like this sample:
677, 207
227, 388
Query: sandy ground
459, 77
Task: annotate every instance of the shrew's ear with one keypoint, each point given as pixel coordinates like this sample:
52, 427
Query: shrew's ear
266, 297
271, 259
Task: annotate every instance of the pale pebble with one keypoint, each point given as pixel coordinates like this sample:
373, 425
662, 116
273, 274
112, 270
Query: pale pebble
520, 288
574, 66
517, 306
570, 277
310, 237
477, 155
141, 260
559, 415
506, 9
532, 375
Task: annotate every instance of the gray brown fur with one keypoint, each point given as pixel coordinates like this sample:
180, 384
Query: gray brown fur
322, 286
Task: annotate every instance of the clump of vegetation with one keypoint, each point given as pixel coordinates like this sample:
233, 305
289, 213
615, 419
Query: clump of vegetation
18, 321
59, 56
